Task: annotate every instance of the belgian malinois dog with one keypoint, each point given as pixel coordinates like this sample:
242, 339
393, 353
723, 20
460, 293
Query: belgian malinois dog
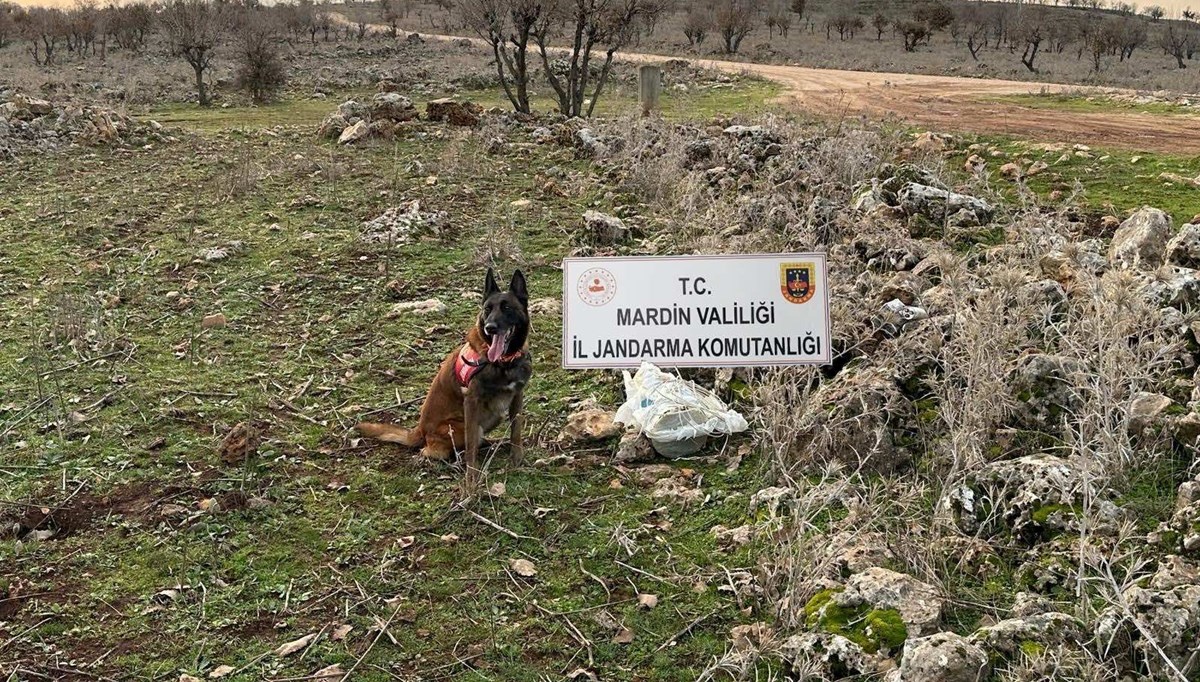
477, 385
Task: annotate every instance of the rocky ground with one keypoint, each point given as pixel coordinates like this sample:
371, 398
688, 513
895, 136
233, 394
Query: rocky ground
32, 125
1009, 414
994, 479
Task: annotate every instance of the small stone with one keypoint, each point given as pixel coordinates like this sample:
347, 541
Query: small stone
634, 447
943, 657
1011, 171
354, 133
591, 424
603, 229
213, 321
426, 307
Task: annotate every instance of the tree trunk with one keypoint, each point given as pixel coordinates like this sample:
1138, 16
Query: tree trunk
200, 91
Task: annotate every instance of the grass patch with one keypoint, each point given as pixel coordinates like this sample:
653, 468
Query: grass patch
117, 397
746, 96
1067, 102
1109, 181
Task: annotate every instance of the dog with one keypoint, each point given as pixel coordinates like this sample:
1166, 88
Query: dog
477, 386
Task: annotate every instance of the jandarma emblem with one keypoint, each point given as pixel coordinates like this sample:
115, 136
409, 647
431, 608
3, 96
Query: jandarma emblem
597, 286
797, 281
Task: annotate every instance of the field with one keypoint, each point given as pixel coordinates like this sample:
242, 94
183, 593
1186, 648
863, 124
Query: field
117, 397
1008, 471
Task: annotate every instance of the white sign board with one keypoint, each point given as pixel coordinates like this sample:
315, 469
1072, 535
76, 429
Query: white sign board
696, 311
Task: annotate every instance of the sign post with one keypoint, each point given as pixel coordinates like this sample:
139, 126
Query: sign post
696, 311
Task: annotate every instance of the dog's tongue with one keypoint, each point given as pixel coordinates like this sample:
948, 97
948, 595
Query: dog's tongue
496, 350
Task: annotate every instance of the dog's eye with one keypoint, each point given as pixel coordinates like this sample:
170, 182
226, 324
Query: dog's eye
503, 307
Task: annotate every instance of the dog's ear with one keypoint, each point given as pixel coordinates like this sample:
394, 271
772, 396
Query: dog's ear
518, 289
489, 285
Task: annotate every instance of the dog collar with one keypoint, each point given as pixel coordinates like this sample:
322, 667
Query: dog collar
470, 361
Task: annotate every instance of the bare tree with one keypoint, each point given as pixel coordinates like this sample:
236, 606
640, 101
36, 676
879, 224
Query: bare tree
880, 22
1098, 39
1030, 33
129, 24
784, 23
43, 28
1154, 12
588, 25
913, 32
655, 11
696, 24
1128, 34
507, 26
8, 22
936, 15
798, 6
734, 20
845, 23
84, 23
974, 24
1177, 41
260, 70
193, 29
391, 12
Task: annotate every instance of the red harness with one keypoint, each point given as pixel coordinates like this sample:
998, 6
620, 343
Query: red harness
469, 362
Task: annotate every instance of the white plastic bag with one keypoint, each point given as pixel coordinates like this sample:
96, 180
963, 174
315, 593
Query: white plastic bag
676, 415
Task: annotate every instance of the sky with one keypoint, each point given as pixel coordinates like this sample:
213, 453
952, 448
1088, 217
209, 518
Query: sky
1173, 7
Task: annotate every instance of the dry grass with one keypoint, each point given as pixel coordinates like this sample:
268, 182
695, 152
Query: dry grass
867, 452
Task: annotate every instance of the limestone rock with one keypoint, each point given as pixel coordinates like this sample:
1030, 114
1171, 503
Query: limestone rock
588, 425
634, 447
1184, 248
353, 111
944, 657
1141, 241
856, 426
402, 224
834, 656
929, 142
1168, 613
851, 552
918, 603
332, 126
354, 133
603, 229
1029, 496
454, 112
1146, 410
391, 106
1044, 386
1045, 629
939, 205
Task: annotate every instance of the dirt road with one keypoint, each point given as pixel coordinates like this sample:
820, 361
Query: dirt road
956, 104
946, 103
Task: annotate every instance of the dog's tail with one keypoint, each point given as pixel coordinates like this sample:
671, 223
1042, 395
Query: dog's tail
391, 433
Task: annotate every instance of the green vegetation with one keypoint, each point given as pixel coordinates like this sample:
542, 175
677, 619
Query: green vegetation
1108, 181
115, 397
747, 96
872, 629
1074, 102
